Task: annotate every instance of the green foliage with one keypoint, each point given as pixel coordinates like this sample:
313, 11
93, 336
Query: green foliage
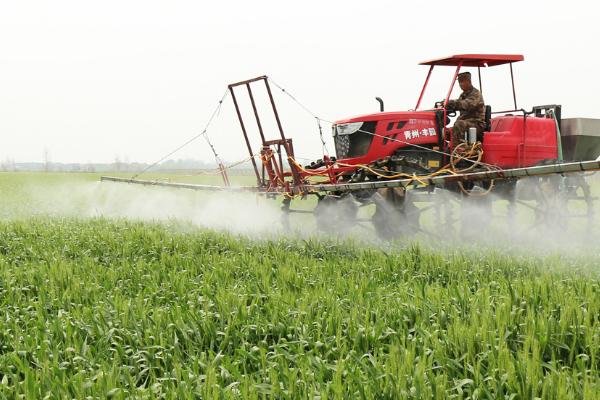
101, 309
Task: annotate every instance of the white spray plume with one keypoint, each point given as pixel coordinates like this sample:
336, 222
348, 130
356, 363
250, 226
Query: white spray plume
258, 217
237, 213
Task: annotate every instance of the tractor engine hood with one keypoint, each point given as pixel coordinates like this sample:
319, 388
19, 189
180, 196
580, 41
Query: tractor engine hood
371, 136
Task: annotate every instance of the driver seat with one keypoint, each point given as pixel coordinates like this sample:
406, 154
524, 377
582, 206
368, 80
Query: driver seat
488, 119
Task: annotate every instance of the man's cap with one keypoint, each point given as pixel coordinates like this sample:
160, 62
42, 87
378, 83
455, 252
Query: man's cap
464, 75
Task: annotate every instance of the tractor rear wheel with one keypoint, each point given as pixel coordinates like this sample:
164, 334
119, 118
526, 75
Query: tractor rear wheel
556, 200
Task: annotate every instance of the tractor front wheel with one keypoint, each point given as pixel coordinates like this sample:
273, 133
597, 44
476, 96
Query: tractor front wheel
395, 215
336, 213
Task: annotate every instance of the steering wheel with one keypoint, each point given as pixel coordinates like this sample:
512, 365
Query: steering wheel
449, 111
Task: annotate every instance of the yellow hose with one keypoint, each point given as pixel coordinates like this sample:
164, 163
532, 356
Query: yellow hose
461, 152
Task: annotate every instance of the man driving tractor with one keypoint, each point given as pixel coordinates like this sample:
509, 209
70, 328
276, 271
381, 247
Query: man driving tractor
471, 107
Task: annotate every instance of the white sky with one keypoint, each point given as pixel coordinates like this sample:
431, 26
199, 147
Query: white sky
90, 81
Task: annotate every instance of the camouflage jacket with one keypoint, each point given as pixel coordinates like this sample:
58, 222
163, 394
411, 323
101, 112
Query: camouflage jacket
470, 104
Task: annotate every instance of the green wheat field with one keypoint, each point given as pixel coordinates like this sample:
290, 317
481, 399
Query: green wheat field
95, 306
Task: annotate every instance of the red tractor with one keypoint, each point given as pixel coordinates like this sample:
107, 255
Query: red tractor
416, 142
396, 160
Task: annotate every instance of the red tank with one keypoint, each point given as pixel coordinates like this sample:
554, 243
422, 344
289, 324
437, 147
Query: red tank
516, 141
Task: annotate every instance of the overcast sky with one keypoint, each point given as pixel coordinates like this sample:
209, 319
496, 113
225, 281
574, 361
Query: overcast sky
92, 81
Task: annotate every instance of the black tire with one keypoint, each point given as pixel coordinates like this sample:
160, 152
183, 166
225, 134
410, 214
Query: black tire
336, 213
395, 216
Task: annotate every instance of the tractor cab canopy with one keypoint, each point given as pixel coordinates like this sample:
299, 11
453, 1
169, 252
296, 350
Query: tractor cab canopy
470, 60
475, 60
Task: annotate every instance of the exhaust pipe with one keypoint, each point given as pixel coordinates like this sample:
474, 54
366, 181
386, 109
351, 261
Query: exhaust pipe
380, 103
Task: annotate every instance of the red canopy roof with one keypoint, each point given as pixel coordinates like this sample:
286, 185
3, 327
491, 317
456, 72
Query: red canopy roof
476, 60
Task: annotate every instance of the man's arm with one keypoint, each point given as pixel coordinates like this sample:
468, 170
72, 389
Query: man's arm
470, 102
